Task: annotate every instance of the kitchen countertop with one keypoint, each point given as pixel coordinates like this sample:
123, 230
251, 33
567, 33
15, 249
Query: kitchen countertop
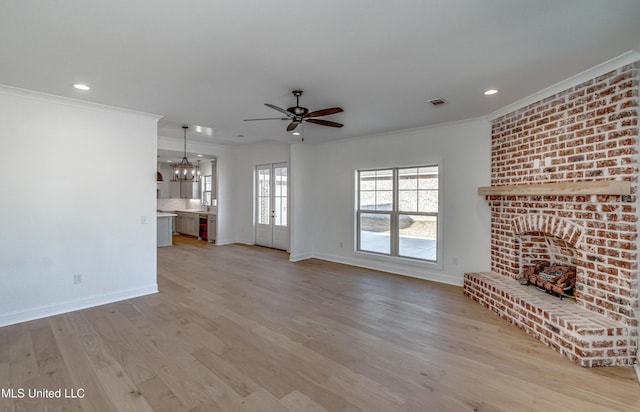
165, 214
198, 211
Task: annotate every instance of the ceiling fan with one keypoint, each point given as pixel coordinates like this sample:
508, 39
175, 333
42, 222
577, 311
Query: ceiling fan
299, 114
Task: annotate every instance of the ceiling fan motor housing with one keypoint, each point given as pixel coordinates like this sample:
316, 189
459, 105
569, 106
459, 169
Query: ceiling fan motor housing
298, 111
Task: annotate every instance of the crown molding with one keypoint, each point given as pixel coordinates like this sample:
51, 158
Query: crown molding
609, 65
68, 101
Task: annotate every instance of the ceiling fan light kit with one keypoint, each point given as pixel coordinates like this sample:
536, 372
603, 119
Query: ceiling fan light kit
298, 114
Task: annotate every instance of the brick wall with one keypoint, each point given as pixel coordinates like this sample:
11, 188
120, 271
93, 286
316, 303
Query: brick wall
536, 246
588, 132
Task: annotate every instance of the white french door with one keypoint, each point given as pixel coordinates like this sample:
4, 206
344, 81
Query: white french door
272, 206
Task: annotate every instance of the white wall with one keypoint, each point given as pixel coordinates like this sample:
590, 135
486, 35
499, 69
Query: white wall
78, 179
323, 187
237, 172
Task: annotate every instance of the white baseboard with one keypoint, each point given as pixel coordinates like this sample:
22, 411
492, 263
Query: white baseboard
637, 368
76, 304
222, 242
414, 272
300, 256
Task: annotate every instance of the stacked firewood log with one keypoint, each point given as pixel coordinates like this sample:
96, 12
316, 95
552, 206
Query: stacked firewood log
552, 277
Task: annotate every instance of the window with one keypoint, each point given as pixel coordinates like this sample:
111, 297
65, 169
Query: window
206, 190
398, 211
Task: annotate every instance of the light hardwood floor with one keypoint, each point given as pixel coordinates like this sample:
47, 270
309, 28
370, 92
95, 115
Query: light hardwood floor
240, 328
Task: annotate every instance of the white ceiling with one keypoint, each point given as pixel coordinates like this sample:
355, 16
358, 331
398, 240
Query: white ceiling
215, 63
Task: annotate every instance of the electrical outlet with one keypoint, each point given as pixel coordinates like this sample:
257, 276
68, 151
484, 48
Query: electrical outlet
144, 220
454, 260
341, 245
77, 279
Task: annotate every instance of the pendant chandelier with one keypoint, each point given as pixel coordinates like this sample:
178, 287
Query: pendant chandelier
185, 171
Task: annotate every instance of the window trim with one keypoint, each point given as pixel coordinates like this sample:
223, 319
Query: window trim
394, 255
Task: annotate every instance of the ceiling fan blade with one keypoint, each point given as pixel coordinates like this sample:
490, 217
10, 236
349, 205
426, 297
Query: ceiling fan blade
292, 125
324, 112
324, 122
267, 118
281, 110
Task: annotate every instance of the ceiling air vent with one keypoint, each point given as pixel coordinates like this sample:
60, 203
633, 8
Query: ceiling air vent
437, 101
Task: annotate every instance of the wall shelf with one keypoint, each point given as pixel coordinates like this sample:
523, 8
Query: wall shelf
599, 187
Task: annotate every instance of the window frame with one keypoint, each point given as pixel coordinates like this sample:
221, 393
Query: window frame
394, 215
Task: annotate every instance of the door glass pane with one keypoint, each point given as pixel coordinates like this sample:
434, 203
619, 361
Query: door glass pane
281, 211
280, 199
375, 232
264, 196
417, 237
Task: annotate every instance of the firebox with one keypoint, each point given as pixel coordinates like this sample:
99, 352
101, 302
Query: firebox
548, 263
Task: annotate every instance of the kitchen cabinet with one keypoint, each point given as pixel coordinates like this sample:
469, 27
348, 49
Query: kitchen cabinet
163, 190
164, 229
190, 190
179, 223
174, 190
211, 228
164, 187
188, 223
184, 190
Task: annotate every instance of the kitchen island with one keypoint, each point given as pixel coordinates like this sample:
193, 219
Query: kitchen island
165, 229
198, 223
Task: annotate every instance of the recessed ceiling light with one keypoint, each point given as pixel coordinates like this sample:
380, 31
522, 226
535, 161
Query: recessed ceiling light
203, 130
169, 161
490, 92
296, 133
81, 86
199, 155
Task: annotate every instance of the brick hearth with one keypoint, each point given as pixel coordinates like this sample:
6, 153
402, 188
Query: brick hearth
581, 335
586, 133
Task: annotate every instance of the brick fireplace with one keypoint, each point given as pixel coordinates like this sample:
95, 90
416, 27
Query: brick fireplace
586, 134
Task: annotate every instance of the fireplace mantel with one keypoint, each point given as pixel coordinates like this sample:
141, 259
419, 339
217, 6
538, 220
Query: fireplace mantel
598, 187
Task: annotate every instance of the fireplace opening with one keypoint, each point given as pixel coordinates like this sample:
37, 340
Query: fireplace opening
548, 263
